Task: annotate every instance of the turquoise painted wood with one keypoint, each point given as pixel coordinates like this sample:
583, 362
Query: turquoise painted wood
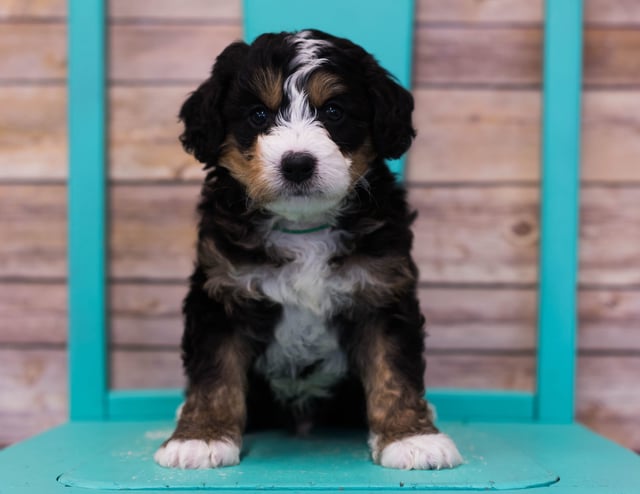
329, 459
87, 211
384, 28
116, 455
559, 210
110, 453
452, 404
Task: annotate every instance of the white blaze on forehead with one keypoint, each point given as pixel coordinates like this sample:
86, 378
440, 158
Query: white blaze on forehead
303, 63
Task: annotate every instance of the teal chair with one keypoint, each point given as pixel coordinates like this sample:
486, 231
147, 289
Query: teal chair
510, 440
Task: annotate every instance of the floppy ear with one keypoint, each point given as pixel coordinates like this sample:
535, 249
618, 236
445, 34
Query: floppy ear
392, 107
204, 127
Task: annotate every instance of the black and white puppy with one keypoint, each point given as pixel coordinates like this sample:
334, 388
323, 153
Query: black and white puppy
302, 308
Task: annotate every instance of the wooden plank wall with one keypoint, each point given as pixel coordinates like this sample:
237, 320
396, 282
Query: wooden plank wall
473, 176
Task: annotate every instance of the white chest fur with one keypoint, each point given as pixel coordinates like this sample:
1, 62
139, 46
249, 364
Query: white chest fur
310, 293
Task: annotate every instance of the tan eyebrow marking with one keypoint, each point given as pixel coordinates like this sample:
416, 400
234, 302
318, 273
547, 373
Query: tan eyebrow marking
267, 83
323, 86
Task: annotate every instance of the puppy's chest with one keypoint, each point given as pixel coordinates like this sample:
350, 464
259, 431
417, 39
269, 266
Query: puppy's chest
304, 359
307, 279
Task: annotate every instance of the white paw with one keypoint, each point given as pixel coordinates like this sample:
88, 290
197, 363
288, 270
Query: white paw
196, 453
421, 452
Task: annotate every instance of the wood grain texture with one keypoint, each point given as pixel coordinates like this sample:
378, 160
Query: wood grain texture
610, 236
444, 55
213, 10
12, 9
472, 136
608, 390
33, 394
463, 234
153, 231
610, 12
143, 133
474, 11
146, 315
169, 52
610, 144
32, 51
475, 56
33, 313
496, 238
608, 397
620, 12
611, 57
33, 134
33, 231
475, 136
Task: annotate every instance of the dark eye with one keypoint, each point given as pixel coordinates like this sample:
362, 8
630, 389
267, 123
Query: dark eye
259, 117
332, 112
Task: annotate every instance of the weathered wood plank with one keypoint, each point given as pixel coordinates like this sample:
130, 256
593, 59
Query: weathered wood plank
147, 314
611, 57
33, 313
458, 318
33, 391
143, 133
478, 56
610, 147
623, 12
33, 231
33, 385
610, 236
475, 136
608, 397
463, 136
609, 320
463, 234
495, 238
474, 11
444, 55
171, 52
214, 10
153, 232
432, 11
33, 51
10, 9
609, 12
33, 133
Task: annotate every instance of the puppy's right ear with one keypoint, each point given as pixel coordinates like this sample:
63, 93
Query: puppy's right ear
204, 127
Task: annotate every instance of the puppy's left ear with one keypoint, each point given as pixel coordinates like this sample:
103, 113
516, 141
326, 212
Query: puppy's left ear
392, 107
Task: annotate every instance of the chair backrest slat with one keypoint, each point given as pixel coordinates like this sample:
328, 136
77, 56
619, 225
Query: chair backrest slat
87, 211
558, 265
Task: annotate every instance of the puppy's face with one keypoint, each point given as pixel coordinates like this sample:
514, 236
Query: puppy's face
297, 118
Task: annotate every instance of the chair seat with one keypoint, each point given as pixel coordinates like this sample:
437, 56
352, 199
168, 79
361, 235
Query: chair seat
85, 456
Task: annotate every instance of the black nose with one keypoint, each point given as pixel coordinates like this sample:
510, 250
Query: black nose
298, 167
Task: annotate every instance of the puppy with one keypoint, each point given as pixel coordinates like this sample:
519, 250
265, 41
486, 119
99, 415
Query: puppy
302, 307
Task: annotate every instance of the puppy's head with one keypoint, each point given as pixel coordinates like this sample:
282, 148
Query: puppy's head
298, 119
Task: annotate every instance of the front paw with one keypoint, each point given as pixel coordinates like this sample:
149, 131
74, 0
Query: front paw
419, 452
196, 453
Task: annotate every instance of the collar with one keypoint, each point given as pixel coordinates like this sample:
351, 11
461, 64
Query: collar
304, 230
